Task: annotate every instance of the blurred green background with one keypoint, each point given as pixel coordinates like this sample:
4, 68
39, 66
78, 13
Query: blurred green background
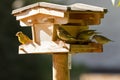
21, 67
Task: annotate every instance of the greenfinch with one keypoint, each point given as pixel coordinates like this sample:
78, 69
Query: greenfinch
86, 34
65, 36
23, 39
101, 39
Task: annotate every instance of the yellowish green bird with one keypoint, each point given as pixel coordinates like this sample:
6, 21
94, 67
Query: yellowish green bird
65, 36
86, 34
101, 39
23, 39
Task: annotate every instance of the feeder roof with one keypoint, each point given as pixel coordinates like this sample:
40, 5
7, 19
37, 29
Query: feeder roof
73, 7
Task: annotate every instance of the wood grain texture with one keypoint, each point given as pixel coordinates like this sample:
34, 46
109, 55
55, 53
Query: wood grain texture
72, 7
60, 67
89, 48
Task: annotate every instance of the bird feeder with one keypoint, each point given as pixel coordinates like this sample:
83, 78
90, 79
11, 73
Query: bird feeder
44, 19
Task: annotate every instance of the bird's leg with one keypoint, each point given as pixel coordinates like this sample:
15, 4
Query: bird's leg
23, 50
64, 45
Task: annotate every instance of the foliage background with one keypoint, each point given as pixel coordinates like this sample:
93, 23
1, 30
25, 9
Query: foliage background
12, 65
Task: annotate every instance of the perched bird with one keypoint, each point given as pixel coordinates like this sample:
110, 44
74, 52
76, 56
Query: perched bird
23, 39
65, 36
101, 39
86, 34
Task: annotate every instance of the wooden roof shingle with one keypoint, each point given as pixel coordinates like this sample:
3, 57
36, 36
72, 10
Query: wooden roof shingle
73, 7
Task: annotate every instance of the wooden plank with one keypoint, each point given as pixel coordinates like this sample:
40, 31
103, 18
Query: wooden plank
27, 13
86, 7
41, 4
53, 6
73, 7
83, 15
60, 67
42, 32
35, 11
87, 18
46, 47
54, 35
51, 12
91, 47
19, 10
100, 76
41, 19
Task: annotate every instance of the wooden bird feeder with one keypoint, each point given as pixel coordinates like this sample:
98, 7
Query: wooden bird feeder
44, 18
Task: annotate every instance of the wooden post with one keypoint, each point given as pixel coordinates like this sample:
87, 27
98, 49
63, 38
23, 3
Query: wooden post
60, 66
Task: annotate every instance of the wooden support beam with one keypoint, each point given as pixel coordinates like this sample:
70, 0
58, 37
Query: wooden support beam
60, 66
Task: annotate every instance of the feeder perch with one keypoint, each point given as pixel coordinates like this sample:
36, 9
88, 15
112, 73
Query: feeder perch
44, 19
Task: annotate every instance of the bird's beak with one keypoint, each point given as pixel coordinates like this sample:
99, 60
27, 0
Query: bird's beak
16, 34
